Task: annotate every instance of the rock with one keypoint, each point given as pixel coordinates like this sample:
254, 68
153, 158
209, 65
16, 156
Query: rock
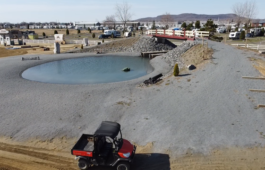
191, 67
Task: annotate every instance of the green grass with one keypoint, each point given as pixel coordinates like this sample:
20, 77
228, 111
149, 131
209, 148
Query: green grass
254, 40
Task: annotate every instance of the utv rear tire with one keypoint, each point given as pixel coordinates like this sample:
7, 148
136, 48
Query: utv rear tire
123, 166
83, 164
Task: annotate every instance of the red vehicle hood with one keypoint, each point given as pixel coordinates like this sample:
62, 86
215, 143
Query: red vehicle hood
127, 147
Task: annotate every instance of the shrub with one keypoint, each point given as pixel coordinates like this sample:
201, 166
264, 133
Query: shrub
55, 32
93, 35
82, 47
242, 35
89, 30
184, 25
102, 30
112, 35
236, 29
176, 70
102, 40
67, 32
262, 32
43, 34
78, 31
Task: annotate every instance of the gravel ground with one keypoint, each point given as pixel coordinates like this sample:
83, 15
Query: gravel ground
213, 109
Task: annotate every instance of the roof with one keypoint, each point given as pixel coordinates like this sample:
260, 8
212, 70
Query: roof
110, 129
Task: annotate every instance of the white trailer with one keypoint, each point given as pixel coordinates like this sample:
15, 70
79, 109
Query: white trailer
234, 35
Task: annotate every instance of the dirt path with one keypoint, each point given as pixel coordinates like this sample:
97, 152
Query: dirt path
15, 157
18, 157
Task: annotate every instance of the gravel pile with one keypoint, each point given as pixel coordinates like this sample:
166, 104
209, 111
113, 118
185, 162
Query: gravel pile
173, 56
142, 45
150, 44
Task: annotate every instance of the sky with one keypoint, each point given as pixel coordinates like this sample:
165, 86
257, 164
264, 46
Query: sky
17, 11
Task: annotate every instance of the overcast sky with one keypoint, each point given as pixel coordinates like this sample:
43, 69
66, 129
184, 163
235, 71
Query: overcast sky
96, 10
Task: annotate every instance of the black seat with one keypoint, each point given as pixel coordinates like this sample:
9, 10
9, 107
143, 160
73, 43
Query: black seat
106, 149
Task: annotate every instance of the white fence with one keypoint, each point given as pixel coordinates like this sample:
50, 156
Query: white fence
38, 41
251, 46
179, 33
53, 41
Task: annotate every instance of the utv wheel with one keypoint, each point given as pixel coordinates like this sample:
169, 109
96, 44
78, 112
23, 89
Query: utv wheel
123, 166
83, 164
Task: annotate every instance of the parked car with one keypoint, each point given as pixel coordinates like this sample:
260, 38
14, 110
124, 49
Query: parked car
249, 35
105, 147
102, 36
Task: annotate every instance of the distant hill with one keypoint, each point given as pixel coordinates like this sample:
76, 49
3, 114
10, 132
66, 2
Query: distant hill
191, 17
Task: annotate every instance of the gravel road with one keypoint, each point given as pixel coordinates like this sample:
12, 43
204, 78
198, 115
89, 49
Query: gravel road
210, 108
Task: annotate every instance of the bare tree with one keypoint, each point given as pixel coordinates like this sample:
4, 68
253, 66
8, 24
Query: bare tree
239, 10
245, 12
167, 20
110, 21
250, 11
123, 12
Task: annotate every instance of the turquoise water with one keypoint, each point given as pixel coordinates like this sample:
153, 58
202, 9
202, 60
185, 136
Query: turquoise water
89, 70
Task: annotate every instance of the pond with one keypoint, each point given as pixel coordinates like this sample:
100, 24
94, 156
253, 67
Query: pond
89, 70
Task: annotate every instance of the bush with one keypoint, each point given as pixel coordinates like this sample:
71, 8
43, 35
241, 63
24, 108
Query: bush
102, 30
82, 47
78, 31
215, 38
89, 30
112, 35
236, 29
55, 32
43, 34
242, 35
93, 35
102, 40
262, 32
176, 70
67, 32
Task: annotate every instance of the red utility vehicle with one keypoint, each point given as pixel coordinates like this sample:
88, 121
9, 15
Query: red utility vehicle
104, 148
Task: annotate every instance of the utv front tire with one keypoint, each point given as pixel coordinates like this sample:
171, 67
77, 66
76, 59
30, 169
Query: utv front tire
123, 166
83, 164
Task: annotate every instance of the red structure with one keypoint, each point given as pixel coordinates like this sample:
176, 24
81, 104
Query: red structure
174, 36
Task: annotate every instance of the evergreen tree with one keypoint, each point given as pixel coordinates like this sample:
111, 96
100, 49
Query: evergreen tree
184, 25
55, 32
93, 35
242, 35
154, 25
67, 32
210, 26
198, 24
78, 31
43, 34
189, 27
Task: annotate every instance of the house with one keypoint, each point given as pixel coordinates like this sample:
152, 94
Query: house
258, 24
